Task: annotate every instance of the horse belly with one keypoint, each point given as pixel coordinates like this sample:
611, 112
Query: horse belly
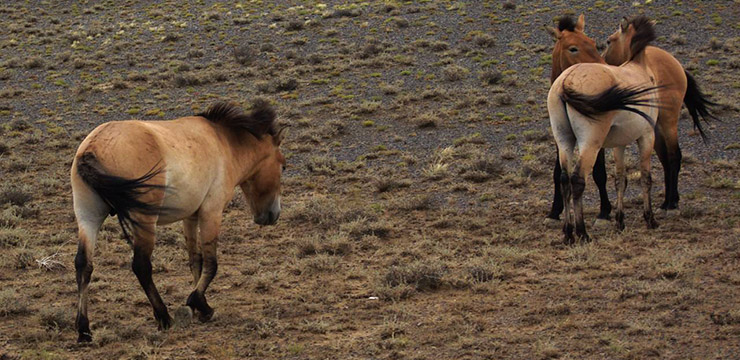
626, 129
184, 196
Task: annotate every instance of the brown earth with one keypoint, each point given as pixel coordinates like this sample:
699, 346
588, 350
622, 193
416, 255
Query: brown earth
418, 178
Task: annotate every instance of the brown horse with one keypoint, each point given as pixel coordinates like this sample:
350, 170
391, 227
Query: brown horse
159, 172
681, 87
572, 46
593, 106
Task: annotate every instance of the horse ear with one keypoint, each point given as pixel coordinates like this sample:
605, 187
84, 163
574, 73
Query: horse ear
581, 23
278, 138
554, 32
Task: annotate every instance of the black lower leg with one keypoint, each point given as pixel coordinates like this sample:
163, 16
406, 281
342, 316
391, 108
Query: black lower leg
83, 271
197, 299
567, 225
619, 217
599, 176
142, 267
578, 185
557, 200
675, 170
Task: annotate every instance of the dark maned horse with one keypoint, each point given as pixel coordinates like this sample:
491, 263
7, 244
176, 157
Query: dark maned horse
572, 47
680, 87
159, 172
595, 106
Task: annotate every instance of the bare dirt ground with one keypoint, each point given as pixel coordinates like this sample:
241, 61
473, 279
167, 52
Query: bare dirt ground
418, 179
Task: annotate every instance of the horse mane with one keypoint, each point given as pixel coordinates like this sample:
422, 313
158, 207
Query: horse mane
567, 23
259, 121
644, 33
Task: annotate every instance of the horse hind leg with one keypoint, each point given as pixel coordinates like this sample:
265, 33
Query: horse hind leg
557, 200
143, 245
621, 184
645, 144
90, 212
565, 190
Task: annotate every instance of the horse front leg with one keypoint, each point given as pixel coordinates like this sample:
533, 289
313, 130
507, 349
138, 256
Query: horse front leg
195, 255
599, 176
620, 183
209, 225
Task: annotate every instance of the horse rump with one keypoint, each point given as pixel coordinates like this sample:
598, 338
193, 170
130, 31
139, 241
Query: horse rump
121, 194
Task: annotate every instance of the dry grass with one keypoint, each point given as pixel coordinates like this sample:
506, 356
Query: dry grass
418, 175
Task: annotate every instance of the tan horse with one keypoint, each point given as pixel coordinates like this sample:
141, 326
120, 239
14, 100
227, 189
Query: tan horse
681, 88
572, 46
159, 172
595, 106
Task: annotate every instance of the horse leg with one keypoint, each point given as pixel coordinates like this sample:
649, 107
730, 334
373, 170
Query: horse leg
662, 151
599, 176
195, 256
586, 160
557, 200
621, 184
568, 238
90, 212
673, 154
645, 144
209, 224
142, 266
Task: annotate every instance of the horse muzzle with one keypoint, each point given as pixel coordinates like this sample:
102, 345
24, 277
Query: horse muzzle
267, 218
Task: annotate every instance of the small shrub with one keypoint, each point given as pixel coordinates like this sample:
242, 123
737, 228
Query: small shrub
244, 55
454, 72
11, 303
422, 276
294, 25
491, 77
15, 196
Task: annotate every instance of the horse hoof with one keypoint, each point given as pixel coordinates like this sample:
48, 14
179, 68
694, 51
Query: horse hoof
602, 224
206, 316
165, 323
652, 225
183, 316
84, 338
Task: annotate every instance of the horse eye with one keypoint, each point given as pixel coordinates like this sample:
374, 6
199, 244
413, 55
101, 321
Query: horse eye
573, 49
608, 42
283, 167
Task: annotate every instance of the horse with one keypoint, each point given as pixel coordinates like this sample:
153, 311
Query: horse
572, 46
683, 88
151, 173
594, 106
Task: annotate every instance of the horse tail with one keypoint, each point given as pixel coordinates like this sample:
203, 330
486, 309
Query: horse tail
121, 194
613, 98
697, 104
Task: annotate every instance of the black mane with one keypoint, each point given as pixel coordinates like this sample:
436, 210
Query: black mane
644, 33
259, 121
567, 23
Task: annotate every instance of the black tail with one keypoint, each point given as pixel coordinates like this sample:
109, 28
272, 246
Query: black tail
697, 103
121, 194
613, 98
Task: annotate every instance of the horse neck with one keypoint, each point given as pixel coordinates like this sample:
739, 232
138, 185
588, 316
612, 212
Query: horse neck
640, 59
246, 153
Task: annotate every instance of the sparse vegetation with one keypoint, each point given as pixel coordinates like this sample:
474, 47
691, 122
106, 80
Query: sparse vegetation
418, 173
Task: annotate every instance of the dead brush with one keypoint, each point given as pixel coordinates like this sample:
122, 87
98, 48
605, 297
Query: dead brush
51, 263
